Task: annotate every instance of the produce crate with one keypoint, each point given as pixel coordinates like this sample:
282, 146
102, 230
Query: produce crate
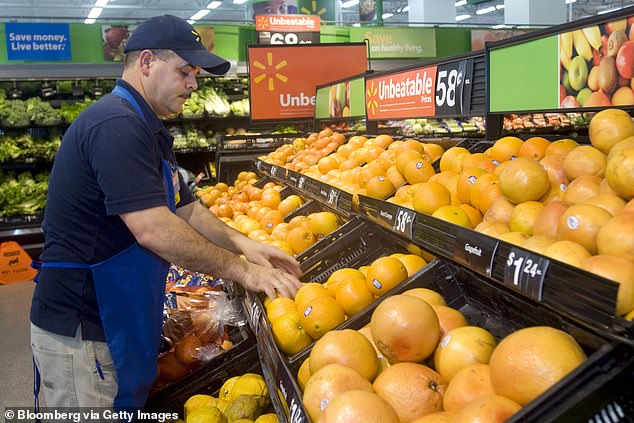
599, 386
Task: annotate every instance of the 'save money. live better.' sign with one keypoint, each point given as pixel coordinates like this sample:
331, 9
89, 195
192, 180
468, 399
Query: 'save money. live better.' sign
38, 41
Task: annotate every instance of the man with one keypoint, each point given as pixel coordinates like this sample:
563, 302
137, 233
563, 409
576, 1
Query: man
117, 214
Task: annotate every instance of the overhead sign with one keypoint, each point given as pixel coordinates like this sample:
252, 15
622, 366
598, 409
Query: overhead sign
439, 90
283, 79
344, 99
287, 29
393, 42
37, 41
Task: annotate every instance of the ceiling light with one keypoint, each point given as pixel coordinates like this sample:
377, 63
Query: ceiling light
89, 21
356, 24
462, 17
405, 9
485, 10
101, 3
349, 3
461, 3
200, 14
239, 1
94, 12
214, 4
499, 6
609, 10
570, 1
190, 21
500, 26
387, 15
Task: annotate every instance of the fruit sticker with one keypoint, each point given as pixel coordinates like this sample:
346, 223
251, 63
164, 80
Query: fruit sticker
597, 65
283, 79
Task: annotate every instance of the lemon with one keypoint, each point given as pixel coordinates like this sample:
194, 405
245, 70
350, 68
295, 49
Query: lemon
225, 389
249, 384
267, 418
206, 415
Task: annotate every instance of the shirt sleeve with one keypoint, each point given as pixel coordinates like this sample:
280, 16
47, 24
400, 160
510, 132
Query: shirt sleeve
126, 160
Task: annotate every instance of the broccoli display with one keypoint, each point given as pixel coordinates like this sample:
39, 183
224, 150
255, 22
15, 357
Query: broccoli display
22, 193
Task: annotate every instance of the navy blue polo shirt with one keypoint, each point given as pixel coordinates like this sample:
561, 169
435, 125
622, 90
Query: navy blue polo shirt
109, 163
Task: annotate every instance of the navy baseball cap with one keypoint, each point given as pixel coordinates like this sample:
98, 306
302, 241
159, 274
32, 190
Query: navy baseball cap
173, 33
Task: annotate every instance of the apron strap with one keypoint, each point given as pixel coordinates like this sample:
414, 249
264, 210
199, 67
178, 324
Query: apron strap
37, 265
125, 94
36, 390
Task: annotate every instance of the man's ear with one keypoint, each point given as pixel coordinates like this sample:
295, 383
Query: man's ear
145, 59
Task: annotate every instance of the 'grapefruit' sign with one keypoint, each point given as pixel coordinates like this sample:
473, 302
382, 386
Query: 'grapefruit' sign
283, 79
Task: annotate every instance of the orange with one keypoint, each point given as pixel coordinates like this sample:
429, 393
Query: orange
452, 159
395, 177
418, 171
608, 127
619, 270
289, 204
412, 389
327, 384
383, 140
354, 296
280, 232
271, 219
323, 223
303, 374
531, 360
299, 221
534, 147
412, 263
429, 196
611, 203
487, 409
448, 318
406, 156
326, 164
615, 236
453, 214
585, 160
278, 307
307, 292
358, 406
321, 314
379, 187
342, 275
581, 223
620, 171
479, 160
469, 383
347, 347
434, 151
474, 214
431, 297
412, 145
461, 347
271, 198
405, 328
368, 172
561, 147
300, 239
567, 251
523, 179
466, 181
505, 148
524, 215
289, 335
384, 274
284, 246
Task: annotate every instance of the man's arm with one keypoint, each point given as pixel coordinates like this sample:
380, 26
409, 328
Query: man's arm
214, 230
173, 239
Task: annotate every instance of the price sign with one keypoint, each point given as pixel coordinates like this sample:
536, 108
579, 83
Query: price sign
292, 179
333, 197
453, 87
287, 29
301, 182
258, 165
255, 312
475, 250
292, 398
404, 222
526, 272
274, 171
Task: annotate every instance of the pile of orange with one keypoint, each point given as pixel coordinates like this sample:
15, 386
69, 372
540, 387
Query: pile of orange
404, 368
319, 308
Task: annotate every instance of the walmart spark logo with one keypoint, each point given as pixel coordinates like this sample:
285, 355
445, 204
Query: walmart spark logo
313, 10
196, 35
371, 93
266, 68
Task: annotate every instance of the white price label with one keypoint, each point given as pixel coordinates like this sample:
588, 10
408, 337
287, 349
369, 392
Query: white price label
255, 313
404, 222
453, 88
526, 271
274, 171
333, 197
446, 87
301, 182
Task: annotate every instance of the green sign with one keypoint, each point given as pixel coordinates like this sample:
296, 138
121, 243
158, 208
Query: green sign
325, 9
524, 76
345, 99
401, 43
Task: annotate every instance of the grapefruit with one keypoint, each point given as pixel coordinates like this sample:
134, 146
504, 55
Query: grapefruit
430, 296
505, 148
469, 383
531, 360
347, 347
581, 223
412, 389
500, 211
524, 216
585, 160
537, 243
523, 179
492, 228
461, 347
405, 328
561, 147
568, 252
358, 406
534, 147
608, 127
437, 417
303, 374
548, 220
611, 203
620, 172
616, 237
554, 166
449, 318
581, 189
488, 409
619, 270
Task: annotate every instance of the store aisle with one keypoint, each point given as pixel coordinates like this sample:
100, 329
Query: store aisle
16, 366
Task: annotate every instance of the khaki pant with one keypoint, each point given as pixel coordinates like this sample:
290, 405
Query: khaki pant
73, 372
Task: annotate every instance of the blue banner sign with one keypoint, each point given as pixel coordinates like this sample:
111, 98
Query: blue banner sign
38, 41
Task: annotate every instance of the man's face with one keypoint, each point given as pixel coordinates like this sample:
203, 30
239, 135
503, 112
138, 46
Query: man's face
170, 82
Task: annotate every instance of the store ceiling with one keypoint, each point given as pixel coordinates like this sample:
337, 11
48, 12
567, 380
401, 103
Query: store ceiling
228, 12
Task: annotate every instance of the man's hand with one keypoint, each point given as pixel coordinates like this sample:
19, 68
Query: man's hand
270, 281
267, 255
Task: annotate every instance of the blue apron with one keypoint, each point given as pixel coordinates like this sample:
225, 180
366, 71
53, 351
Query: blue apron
130, 289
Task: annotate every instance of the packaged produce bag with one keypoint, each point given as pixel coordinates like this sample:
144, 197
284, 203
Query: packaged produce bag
15, 264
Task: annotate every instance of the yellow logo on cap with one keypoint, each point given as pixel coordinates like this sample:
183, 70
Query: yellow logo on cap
269, 62
196, 35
